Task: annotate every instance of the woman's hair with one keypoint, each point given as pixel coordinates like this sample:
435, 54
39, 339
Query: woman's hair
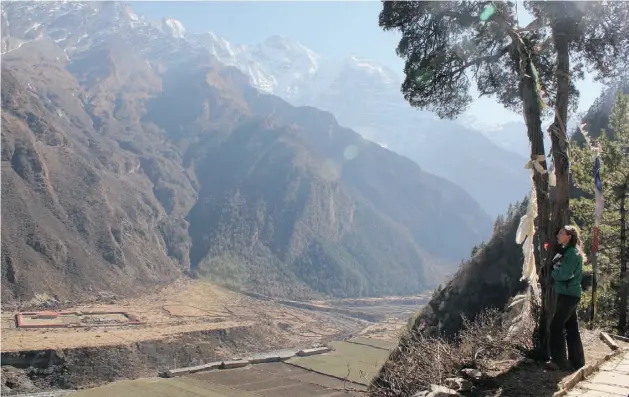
575, 240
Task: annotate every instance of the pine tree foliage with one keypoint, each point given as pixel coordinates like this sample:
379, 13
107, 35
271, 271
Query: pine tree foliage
614, 155
447, 44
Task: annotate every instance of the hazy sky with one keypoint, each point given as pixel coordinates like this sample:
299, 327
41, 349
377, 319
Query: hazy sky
330, 28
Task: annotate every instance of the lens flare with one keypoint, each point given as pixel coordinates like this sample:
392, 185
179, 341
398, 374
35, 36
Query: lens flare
488, 12
350, 152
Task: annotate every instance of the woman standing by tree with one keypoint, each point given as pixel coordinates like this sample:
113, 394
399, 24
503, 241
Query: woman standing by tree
448, 45
566, 275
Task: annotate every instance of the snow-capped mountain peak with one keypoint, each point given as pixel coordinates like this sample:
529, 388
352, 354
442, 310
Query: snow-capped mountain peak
222, 49
277, 65
132, 15
279, 42
371, 68
361, 94
174, 28
290, 47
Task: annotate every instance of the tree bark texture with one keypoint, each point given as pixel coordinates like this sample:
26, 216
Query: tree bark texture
558, 137
532, 116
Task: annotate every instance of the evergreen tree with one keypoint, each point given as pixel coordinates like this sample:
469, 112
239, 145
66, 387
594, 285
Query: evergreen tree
613, 243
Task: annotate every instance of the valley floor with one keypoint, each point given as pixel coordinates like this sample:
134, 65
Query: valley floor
191, 306
191, 322
344, 371
187, 323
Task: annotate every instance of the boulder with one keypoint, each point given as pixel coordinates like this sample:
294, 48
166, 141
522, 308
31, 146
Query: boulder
458, 384
441, 391
472, 374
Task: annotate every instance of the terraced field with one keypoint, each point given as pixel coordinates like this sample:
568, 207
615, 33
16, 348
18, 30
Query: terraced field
190, 323
184, 307
346, 371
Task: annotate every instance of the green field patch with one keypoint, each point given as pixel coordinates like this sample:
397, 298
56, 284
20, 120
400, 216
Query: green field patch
357, 363
378, 343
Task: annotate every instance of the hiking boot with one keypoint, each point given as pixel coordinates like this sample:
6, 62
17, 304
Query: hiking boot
578, 365
555, 366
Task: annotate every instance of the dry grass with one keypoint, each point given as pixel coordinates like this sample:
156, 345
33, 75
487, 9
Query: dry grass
185, 306
421, 360
390, 329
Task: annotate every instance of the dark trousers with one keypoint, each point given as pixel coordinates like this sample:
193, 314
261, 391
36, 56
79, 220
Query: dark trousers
564, 328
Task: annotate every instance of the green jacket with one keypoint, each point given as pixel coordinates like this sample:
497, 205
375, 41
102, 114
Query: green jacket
568, 275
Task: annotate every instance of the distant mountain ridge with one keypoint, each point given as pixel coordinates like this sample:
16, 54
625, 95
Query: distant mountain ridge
130, 155
366, 96
360, 93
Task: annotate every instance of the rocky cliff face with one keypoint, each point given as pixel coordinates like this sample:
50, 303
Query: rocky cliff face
488, 280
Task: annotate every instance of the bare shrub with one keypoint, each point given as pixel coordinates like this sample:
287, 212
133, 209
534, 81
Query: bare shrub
488, 339
420, 361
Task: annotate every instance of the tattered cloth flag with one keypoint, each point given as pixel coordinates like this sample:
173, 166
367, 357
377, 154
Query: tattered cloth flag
598, 212
598, 193
599, 205
525, 235
520, 309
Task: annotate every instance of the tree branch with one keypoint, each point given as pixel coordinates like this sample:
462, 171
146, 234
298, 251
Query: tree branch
536, 24
488, 58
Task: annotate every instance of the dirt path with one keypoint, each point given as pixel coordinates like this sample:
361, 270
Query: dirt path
531, 379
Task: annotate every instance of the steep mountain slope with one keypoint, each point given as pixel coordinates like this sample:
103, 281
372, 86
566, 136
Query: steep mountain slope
365, 97
489, 279
76, 215
361, 94
597, 116
131, 155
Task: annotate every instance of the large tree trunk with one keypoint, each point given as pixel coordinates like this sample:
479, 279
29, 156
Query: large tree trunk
558, 137
532, 116
624, 262
560, 215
